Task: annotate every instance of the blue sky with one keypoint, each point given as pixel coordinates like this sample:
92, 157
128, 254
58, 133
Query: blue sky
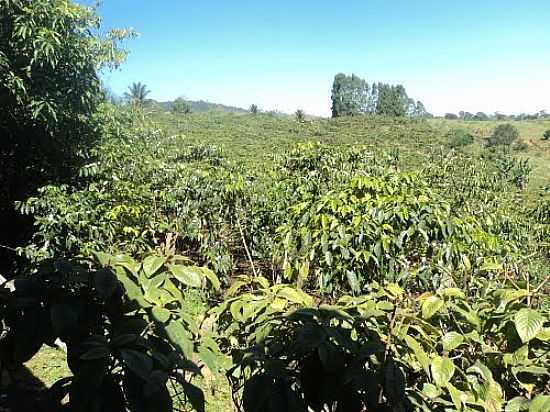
470, 55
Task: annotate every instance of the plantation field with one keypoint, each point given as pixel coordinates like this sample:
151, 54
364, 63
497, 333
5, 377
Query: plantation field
236, 189
257, 139
382, 260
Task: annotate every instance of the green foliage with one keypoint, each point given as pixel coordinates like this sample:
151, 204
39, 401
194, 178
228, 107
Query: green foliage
541, 213
546, 135
459, 138
542, 210
349, 95
434, 223
50, 56
402, 276
387, 350
480, 116
352, 96
389, 227
392, 100
126, 326
145, 188
300, 115
504, 135
418, 110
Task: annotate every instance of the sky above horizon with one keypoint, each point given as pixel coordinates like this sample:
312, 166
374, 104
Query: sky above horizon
282, 55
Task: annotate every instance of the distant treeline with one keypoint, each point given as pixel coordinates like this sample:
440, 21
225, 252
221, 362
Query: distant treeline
481, 116
352, 96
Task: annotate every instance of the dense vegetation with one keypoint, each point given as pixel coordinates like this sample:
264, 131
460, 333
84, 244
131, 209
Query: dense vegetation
358, 264
50, 57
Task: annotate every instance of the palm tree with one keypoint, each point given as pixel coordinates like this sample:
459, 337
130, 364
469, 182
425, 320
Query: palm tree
137, 93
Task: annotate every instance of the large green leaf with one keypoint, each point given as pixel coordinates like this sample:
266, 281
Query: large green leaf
456, 396
152, 264
431, 306
517, 404
443, 370
430, 391
180, 338
188, 275
138, 362
540, 404
451, 341
132, 290
160, 314
295, 295
212, 278
529, 323
420, 354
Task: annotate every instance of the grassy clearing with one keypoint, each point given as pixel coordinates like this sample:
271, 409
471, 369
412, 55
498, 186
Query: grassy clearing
49, 365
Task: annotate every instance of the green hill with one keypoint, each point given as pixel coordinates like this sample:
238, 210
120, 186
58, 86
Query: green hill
201, 106
256, 139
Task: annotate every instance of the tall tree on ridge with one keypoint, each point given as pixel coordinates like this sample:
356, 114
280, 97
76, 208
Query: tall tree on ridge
350, 95
137, 93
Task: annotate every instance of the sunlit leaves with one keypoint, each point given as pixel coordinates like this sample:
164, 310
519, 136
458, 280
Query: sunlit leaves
431, 306
529, 323
188, 276
443, 370
452, 340
152, 264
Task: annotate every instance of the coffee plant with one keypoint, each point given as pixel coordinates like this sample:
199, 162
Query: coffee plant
384, 267
389, 350
390, 228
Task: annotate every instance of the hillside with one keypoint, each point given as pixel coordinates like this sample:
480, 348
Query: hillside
201, 106
256, 139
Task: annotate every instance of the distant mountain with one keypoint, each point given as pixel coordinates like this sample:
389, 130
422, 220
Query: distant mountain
201, 107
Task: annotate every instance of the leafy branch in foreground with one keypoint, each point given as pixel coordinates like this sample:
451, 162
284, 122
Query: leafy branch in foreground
129, 335
388, 350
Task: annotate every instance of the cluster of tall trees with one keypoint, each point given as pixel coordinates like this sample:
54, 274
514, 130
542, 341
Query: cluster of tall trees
352, 96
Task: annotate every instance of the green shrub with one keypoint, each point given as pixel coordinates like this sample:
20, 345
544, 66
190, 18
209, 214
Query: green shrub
388, 350
180, 106
503, 135
390, 228
460, 138
50, 89
128, 330
546, 135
